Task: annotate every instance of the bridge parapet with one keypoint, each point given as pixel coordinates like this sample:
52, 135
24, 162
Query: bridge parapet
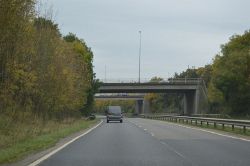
149, 81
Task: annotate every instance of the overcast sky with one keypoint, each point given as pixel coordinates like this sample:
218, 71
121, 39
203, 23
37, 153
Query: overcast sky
175, 33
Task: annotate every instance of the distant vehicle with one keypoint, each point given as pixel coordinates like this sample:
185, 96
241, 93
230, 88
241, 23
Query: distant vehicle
114, 113
91, 117
123, 94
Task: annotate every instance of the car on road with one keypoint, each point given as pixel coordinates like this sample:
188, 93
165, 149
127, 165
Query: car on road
114, 113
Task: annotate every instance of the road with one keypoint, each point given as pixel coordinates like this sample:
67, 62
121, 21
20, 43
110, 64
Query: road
149, 142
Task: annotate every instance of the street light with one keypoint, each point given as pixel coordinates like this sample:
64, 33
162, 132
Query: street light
105, 74
140, 59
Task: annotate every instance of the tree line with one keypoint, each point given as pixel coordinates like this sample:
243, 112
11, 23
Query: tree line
42, 73
227, 79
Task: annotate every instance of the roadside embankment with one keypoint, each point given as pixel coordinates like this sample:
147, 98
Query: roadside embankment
21, 138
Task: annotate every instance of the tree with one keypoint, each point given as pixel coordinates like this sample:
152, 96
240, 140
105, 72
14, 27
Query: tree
86, 55
41, 73
231, 74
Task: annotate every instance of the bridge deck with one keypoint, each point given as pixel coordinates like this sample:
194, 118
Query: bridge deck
147, 87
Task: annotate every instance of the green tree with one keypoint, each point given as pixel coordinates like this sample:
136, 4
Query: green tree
41, 73
231, 74
86, 55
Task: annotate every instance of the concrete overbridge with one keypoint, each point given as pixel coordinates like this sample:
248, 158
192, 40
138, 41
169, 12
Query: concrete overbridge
194, 91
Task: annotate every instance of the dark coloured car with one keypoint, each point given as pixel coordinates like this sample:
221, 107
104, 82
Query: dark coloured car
114, 113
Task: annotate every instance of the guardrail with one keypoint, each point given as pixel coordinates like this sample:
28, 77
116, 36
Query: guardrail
244, 124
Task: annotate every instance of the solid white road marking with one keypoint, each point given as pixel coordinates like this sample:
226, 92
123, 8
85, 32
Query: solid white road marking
63, 146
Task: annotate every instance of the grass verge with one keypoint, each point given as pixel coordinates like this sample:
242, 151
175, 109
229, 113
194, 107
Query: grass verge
42, 141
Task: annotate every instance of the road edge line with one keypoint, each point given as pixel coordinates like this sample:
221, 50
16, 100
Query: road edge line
204, 130
216, 133
38, 161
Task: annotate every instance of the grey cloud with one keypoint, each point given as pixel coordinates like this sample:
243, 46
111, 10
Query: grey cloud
175, 34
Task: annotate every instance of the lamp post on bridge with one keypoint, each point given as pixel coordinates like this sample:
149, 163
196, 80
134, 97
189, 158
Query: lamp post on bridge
105, 74
140, 59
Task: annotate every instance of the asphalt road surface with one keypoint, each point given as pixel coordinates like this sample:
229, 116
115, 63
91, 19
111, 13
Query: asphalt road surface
142, 142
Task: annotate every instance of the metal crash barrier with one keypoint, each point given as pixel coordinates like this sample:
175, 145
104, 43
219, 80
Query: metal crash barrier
244, 124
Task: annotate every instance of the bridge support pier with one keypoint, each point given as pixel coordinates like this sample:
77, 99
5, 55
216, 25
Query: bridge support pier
146, 106
139, 107
191, 102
